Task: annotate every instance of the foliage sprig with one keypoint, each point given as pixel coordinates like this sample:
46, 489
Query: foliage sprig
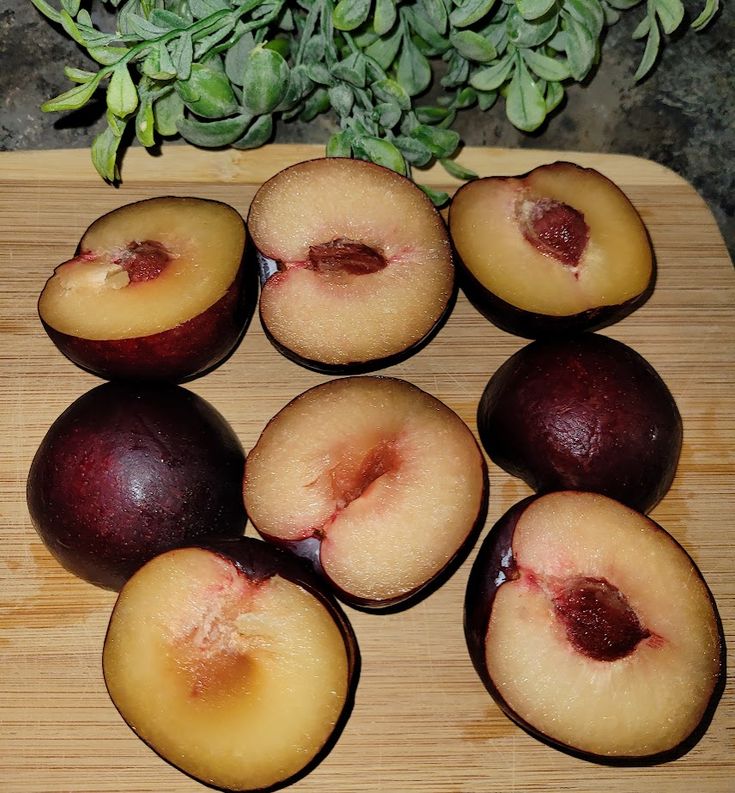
223, 72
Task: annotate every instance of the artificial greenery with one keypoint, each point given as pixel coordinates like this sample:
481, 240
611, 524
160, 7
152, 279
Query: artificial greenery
221, 72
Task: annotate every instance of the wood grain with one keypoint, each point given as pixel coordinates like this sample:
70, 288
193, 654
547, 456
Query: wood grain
422, 721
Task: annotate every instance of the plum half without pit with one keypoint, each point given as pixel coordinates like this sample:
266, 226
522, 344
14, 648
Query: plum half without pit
378, 484
130, 470
594, 630
560, 249
583, 413
355, 264
157, 290
231, 663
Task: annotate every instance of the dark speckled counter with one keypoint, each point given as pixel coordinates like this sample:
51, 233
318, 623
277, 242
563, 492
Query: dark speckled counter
682, 116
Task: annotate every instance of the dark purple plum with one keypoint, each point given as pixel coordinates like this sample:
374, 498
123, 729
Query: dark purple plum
250, 668
583, 413
131, 470
594, 630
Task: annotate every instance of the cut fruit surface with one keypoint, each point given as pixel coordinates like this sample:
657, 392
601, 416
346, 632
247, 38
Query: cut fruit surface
593, 628
237, 674
155, 290
556, 249
362, 263
377, 481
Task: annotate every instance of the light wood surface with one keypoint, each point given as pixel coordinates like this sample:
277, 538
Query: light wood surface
422, 721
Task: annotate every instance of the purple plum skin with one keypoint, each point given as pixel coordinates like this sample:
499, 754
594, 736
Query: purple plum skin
583, 413
129, 471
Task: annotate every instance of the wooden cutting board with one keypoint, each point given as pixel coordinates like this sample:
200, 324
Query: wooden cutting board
422, 721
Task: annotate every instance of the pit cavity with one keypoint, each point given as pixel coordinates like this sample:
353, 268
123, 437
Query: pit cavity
143, 261
555, 229
599, 621
343, 255
350, 478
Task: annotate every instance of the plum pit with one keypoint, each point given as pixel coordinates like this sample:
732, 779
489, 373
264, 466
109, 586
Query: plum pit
343, 255
598, 619
555, 229
143, 261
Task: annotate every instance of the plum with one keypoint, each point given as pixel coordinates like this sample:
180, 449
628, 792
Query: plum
231, 663
379, 484
557, 250
594, 630
583, 413
157, 290
130, 470
356, 266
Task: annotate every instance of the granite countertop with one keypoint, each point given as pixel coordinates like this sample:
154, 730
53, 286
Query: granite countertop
682, 116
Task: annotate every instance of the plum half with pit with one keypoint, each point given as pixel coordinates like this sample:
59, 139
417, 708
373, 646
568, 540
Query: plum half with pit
583, 413
560, 249
130, 470
231, 663
594, 630
356, 265
378, 484
157, 290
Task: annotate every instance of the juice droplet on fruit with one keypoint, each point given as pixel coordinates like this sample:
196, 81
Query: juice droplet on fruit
555, 229
143, 261
345, 256
598, 619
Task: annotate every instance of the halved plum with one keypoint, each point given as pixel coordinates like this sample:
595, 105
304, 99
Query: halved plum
380, 485
231, 663
594, 630
356, 265
156, 291
557, 250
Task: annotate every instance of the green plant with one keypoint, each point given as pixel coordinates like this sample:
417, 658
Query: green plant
221, 72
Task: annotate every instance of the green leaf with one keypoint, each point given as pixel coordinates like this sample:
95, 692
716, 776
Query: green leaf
71, 7
78, 75
341, 98
350, 14
298, 86
554, 95
143, 29
456, 170
122, 95
71, 28
589, 13
352, 70
642, 28
581, 48
317, 103
533, 9
236, 58
318, 73
184, 56
384, 16
711, 8
381, 152
524, 104
107, 56
431, 115
390, 91
384, 51
339, 144
104, 154
472, 46
204, 8
611, 15
438, 197
442, 143
145, 124
494, 76
469, 12
671, 14
414, 151
153, 68
167, 111
207, 92
466, 97
486, 99
413, 70
434, 42
115, 123
653, 44
213, 134
387, 114
545, 67
167, 19
623, 5
458, 71
529, 33
258, 134
74, 98
435, 12
47, 10
265, 81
